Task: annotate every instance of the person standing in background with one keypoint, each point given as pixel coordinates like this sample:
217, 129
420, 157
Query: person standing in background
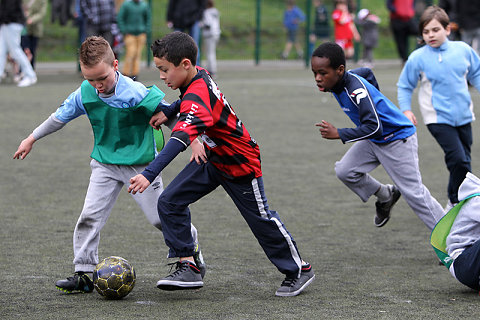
211, 34
12, 21
35, 11
292, 18
345, 29
100, 16
369, 28
402, 23
321, 27
468, 16
134, 21
185, 16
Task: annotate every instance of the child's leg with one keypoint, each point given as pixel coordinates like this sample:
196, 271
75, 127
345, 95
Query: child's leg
354, 167
191, 184
266, 225
130, 51
140, 41
467, 267
101, 195
400, 160
456, 143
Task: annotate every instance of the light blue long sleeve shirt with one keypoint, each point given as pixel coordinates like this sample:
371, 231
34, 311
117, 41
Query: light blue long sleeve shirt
443, 73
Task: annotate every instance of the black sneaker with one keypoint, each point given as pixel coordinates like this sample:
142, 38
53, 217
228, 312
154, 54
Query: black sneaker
197, 256
80, 282
292, 286
186, 276
384, 208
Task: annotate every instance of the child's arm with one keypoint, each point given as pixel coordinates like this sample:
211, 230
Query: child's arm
407, 82
141, 181
473, 74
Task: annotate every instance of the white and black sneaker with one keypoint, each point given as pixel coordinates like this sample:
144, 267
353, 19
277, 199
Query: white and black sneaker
198, 258
383, 208
293, 286
186, 276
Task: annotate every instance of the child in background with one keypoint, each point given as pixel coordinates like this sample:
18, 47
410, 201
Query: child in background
211, 34
134, 21
444, 69
369, 34
233, 162
292, 18
118, 110
321, 26
383, 136
345, 29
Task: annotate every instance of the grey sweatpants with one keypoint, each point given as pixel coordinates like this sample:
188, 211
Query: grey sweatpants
106, 182
400, 160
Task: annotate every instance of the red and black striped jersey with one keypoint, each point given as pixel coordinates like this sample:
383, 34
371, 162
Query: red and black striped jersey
205, 113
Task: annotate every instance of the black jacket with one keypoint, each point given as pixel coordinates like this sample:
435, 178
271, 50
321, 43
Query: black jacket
11, 12
184, 13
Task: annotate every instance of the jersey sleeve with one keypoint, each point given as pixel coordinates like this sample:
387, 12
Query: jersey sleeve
71, 108
473, 75
407, 82
369, 124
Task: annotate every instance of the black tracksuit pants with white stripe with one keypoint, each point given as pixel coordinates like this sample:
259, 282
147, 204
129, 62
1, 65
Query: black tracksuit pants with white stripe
196, 181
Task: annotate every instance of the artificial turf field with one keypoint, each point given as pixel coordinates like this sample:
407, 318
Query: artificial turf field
362, 272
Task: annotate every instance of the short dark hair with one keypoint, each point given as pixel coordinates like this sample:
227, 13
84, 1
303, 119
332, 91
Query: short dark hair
175, 47
332, 52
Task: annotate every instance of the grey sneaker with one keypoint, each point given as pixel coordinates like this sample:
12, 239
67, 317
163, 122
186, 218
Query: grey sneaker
197, 256
80, 282
383, 208
186, 276
293, 286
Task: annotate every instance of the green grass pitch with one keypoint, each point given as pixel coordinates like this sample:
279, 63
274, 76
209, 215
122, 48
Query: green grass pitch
362, 272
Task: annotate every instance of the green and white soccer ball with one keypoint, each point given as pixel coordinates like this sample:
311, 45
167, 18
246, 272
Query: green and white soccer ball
114, 277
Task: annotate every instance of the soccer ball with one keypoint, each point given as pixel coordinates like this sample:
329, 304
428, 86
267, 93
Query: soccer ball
114, 277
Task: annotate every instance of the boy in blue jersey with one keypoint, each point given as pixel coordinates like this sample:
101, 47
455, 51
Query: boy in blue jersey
383, 136
119, 110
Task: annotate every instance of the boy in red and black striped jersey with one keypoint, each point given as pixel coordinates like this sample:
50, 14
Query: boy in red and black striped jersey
232, 160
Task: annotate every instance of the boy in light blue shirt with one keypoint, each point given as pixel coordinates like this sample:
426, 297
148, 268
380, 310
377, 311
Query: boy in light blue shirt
443, 68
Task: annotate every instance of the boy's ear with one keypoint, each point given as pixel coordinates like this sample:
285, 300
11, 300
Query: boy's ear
340, 70
186, 63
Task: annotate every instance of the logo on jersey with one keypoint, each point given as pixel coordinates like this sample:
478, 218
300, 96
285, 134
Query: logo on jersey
358, 94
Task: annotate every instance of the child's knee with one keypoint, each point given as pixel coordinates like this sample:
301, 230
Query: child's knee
345, 173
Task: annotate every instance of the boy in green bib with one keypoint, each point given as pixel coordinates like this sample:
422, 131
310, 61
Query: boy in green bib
119, 110
456, 237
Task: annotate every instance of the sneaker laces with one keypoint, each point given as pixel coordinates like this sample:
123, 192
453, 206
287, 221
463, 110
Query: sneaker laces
179, 266
289, 282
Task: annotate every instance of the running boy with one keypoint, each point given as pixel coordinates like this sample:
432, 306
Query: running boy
233, 162
383, 136
444, 68
108, 99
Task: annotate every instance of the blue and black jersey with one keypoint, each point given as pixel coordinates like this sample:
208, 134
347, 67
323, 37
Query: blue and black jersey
376, 117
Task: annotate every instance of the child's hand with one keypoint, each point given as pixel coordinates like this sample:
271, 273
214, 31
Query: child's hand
24, 148
327, 130
409, 114
157, 120
198, 152
138, 183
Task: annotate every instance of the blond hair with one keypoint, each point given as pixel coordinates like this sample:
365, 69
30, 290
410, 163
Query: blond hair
95, 50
